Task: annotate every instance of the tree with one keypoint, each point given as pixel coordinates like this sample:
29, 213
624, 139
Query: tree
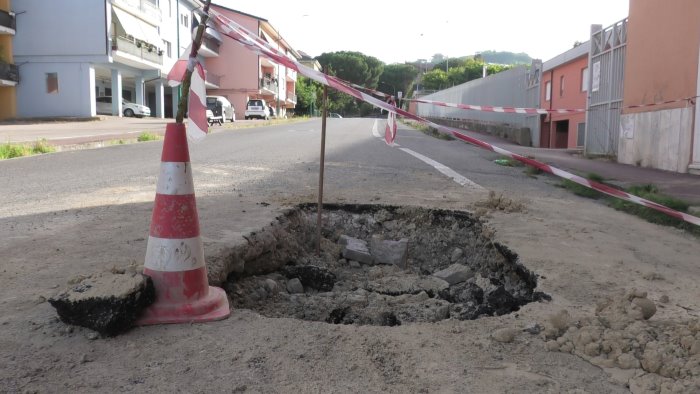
353, 67
307, 96
398, 76
435, 79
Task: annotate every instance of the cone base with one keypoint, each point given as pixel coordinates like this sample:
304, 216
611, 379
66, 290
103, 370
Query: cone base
210, 308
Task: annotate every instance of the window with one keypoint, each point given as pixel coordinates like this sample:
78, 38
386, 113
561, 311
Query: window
170, 8
584, 79
548, 91
185, 20
168, 48
51, 83
561, 86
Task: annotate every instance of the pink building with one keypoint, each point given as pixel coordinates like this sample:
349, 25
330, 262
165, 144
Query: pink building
564, 86
246, 75
662, 64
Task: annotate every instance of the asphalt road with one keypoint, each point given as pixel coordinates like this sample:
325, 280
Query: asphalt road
263, 161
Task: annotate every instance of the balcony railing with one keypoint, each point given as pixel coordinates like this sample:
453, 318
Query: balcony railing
9, 72
213, 79
7, 21
146, 7
292, 98
144, 51
211, 45
268, 84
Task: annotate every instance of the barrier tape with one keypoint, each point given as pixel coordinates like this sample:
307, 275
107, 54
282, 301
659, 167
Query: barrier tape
254, 43
536, 111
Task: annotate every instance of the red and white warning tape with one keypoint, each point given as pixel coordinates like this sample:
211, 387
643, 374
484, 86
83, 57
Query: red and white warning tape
533, 111
256, 44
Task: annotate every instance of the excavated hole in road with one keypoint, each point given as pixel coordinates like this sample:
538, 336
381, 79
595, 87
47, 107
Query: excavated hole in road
279, 275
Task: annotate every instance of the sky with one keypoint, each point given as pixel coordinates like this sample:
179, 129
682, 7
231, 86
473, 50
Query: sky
401, 31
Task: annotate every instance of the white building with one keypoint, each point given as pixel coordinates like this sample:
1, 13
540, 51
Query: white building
70, 52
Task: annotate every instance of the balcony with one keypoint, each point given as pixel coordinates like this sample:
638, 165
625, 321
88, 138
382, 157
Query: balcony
268, 84
212, 81
147, 9
291, 98
138, 49
9, 74
291, 75
210, 47
8, 25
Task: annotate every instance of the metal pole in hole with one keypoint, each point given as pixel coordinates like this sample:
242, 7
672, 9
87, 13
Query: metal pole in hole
321, 167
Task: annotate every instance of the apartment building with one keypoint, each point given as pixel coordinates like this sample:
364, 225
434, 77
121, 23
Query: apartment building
9, 75
246, 75
72, 52
564, 85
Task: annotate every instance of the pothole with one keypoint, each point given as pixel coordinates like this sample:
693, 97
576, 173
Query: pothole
379, 265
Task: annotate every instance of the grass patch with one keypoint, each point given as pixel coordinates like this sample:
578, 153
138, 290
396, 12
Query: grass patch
146, 136
9, 151
427, 130
651, 193
584, 191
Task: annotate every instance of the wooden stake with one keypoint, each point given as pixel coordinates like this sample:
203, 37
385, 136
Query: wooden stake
196, 43
322, 166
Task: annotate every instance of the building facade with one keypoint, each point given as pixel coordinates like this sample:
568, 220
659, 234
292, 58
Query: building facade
247, 75
72, 52
9, 74
564, 85
662, 64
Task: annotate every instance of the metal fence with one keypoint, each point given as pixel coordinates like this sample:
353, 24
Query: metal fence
517, 87
605, 88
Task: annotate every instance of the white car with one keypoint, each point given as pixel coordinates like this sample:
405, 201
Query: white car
220, 106
257, 108
129, 109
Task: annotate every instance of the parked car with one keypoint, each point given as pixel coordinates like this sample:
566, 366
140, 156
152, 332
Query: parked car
211, 118
258, 109
334, 115
104, 106
220, 106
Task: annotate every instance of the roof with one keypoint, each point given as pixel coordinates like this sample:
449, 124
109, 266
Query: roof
568, 56
267, 24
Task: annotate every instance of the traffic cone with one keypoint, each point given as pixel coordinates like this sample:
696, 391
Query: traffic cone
175, 254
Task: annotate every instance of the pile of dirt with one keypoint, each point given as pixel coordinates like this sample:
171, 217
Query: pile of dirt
449, 268
621, 336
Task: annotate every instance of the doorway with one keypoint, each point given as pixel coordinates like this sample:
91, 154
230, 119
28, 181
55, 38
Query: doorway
561, 139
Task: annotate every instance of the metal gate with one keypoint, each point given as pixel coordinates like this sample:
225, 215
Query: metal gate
605, 85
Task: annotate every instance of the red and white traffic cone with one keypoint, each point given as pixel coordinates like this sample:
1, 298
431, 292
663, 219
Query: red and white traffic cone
175, 254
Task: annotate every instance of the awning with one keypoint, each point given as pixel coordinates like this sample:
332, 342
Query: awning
138, 28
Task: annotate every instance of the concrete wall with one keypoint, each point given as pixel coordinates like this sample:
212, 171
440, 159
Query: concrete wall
75, 96
658, 139
239, 68
506, 89
570, 97
80, 30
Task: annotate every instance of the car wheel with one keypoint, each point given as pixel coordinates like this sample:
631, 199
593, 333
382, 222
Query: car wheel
246, 118
128, 112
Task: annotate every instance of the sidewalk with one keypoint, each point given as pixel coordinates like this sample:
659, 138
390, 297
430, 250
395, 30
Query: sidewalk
682, 186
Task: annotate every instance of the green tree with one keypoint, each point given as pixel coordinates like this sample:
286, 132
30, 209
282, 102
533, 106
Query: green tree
307, 96
397, 76
353, 67
435, 79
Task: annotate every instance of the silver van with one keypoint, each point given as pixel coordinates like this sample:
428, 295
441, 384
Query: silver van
220, 106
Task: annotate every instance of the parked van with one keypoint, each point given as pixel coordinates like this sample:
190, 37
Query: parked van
258, 109
220, 106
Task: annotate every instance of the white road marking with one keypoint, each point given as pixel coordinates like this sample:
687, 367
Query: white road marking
438, 166
445, 170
